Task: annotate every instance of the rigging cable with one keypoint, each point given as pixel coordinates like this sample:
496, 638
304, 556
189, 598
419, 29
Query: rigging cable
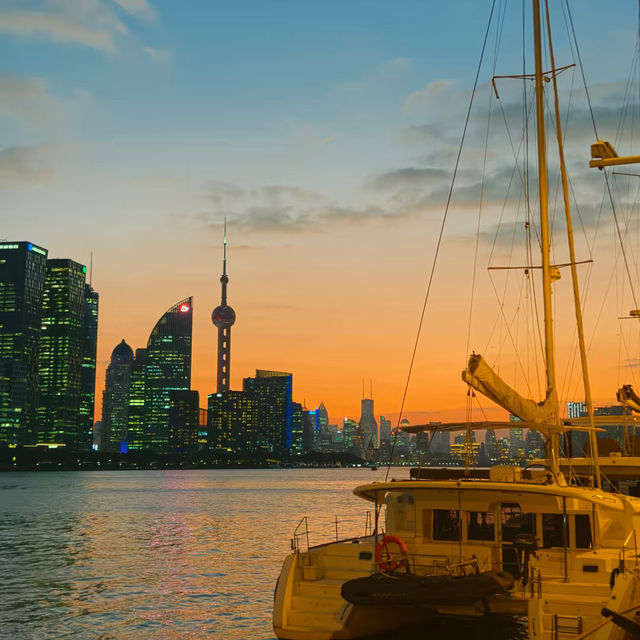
439, 241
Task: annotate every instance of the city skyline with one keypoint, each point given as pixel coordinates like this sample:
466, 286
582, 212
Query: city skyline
331, 167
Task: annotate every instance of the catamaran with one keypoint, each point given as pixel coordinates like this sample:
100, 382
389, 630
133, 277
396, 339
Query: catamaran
504, 541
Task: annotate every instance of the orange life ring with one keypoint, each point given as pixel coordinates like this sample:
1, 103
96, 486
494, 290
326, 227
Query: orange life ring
383, 555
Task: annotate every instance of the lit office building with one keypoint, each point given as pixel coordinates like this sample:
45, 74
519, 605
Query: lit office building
233, 422
62, 346
115, 400
184, 414
296, 428
22, 276
168, 368
272, 390
135, 412
349, 430
88, 369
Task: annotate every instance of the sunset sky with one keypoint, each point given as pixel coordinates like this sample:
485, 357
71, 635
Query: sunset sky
326, 133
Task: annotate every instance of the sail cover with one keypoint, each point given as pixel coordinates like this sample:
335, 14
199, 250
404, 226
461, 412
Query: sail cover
628, 397
482, 378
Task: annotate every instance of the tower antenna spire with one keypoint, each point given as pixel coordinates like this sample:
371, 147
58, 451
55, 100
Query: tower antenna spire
223, 317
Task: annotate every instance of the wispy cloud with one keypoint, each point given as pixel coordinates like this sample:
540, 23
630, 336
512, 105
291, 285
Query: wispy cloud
139, 8
95, 24
58, 28
21, 166
27, 99
161, 55
284, 208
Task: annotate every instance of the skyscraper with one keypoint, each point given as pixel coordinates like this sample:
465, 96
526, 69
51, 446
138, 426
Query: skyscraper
115, 399
88, 370
22, 275
223, 317
367, 423
233, 422
168, 368
272, 391
136, 416
184, 414
62, 342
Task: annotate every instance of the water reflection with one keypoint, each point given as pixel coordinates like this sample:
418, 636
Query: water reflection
161, 554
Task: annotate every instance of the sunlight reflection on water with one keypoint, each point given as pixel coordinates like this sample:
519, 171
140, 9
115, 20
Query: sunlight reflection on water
168, 555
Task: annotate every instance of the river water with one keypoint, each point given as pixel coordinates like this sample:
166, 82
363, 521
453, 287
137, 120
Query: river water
166, 555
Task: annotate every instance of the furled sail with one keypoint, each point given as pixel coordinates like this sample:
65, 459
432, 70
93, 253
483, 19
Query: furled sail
628, 397
482, 378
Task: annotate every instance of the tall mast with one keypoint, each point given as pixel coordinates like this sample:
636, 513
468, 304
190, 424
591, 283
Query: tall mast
543, 188
574, 272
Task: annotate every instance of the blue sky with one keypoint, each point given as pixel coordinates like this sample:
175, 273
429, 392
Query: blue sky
325, 131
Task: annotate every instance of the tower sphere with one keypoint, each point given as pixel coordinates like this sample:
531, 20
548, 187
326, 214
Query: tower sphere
223, 316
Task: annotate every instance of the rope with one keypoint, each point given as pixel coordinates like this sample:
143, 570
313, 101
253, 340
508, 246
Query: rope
439, 243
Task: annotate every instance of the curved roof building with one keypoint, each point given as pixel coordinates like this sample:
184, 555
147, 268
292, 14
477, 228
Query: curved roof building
168, 368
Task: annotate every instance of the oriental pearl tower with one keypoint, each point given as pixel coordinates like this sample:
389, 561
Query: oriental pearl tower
223, 317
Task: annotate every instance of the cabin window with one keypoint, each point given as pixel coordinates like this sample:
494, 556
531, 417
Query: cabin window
446, 524
515, 522
552, 529
583, 532
481, 525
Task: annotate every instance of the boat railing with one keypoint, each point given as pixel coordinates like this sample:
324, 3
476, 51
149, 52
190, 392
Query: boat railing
628, 547
428, 565
535, 582
301, 533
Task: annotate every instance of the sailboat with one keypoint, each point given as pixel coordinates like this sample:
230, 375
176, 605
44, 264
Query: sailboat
468, 544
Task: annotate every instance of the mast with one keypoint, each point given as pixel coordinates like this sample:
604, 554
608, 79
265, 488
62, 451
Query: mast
543, 188
593, 445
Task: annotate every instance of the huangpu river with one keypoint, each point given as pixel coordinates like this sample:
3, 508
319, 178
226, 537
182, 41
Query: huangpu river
166, 555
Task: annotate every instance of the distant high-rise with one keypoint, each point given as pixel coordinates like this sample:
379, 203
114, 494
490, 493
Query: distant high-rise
62, 346
168, 368
367, 423
223, 317
385, 429
272, 391
22, 276
297, 428
233, 422
115, 399
88, 370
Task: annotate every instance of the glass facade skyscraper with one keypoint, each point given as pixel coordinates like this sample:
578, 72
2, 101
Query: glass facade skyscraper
272, 391
61, 353
168, 368
22, 275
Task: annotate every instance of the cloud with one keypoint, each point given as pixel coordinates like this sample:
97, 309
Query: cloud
408, 178
90, 23
435, 98
632, 363
57, 28
29, 165
139, 8
27, 99
285, 208
161, 55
